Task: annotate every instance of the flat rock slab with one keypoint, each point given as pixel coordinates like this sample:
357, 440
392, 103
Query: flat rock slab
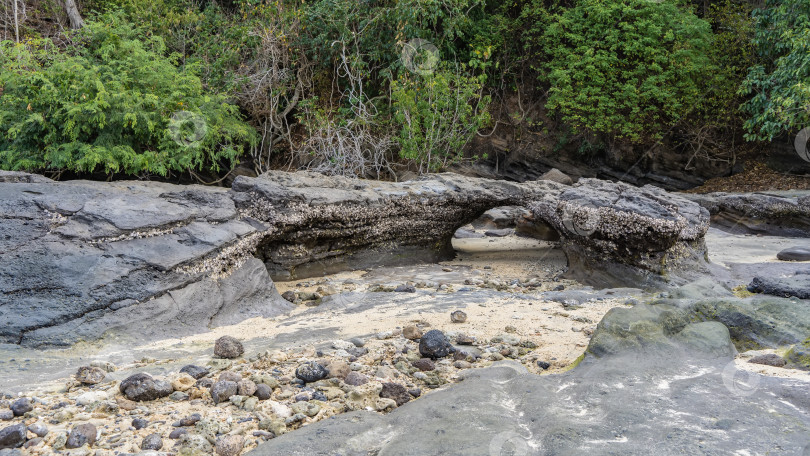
626, 405
797, 253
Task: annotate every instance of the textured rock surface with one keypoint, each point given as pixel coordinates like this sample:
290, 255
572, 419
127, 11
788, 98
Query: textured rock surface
618, 234
774, 213
81, 260
503, 410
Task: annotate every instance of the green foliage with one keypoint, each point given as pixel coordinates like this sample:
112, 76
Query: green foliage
626, 68
439, 114
108, 106
780, 88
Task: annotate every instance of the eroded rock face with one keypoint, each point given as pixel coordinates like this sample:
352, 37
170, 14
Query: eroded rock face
775, 213
81, 260
614, 233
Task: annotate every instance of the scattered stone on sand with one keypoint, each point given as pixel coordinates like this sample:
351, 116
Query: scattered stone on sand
458, 316
228, 347
434, 344
543, 365
12, 436
796, 253
139, 423
39, 429
230, 445
82, 434
396, 392
463, 339
152, 442
424, 364
6, 414
356, 379
196, 372
411, 332
90, 375
142, 387
289, 296
21, 406
770, 359
311, 371
223, 390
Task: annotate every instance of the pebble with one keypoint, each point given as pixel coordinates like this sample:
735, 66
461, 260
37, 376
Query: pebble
152, 442
311, 372
411, 332
356, 379
230, 445
424, 364
142, 387
21, 406
196, 372
396, 392
228, 347
6, 414
177, 433
246, 388
12, 436
39, 429
139, 423
190, 420
434, 344
90, 375
462, 365
543, 365
458, 316
405, 288
463, 339
263, 391
289, 296
228, 376
342, 345
81, 435
223, 390
358, 342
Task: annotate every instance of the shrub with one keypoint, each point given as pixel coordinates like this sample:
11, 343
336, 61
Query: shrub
112, 106
439, 114
780, 88
625, 68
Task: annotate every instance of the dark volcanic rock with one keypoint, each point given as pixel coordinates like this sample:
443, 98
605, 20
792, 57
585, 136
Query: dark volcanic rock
21, 406
356, 379
81, 435
424, 364
12, 436
223, 390
197, 372
434, 344
142, 387
311, 372
775, 215
289, 296
6, 415
768, 360
228, 347
797, 253
263, 392
152, 442
90, 375
139, 423
396, 392
786, 287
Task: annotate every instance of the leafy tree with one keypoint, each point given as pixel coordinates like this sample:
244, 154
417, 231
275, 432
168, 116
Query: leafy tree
780, 88
625, 68
115, 104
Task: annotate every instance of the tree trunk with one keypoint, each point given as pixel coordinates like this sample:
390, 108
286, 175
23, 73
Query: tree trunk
72, 11
16, 23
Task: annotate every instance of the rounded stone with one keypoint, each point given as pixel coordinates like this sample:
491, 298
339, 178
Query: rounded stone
356, 379
152, 442
263, 392
183, 382
396, 392
81, 435
228, 347
434, 344
289, 296
6, 415
12, 436
796, 253
139, 423
246, 388
39, 429
768, 360
411, 332
142, 387
177, 433
458, 316
228, 376
223, 390
197, 372
424, 364
311, 372
21, 406
90, 375
230, 445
